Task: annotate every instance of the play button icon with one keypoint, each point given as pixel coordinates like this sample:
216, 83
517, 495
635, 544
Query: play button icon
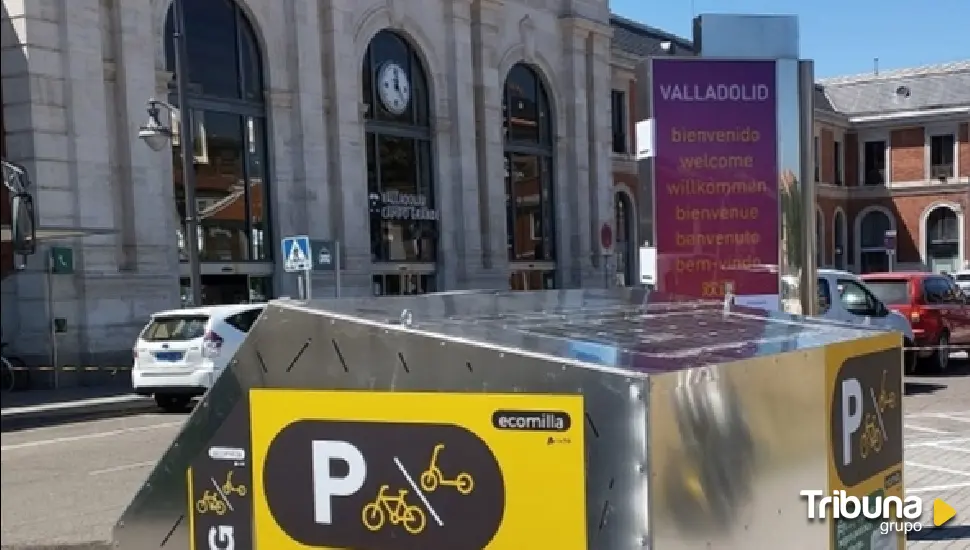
942, 512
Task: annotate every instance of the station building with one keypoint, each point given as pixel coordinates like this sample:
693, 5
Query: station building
446, 145
483, 144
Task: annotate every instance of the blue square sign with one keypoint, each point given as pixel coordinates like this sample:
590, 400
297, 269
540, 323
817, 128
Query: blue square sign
296, 254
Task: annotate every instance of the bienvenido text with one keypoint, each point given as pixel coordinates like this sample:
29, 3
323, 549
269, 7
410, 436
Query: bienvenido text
715, 92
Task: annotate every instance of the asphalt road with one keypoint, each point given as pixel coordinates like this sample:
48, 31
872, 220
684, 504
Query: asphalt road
67, 485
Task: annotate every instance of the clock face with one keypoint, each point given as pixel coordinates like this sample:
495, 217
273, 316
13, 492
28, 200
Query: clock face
393, 88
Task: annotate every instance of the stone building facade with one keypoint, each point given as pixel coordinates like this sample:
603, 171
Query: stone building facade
507, 130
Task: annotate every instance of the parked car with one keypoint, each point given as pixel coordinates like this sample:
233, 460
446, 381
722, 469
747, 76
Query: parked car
962, 279
180, 353
843, 297
936, 308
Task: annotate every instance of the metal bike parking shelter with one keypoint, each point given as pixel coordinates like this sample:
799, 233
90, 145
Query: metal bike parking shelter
564, 419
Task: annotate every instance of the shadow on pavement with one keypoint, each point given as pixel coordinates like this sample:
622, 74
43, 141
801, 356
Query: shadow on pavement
947, 532
43, 408
33, 398
921, 388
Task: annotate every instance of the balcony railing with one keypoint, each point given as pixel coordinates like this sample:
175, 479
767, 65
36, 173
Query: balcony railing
941, 172
875, 176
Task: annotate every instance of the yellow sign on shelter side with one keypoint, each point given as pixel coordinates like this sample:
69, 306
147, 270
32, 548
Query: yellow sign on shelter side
417, 471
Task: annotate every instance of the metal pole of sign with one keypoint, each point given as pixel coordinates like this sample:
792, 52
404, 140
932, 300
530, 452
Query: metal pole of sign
50, 316
187, 146
300, 286
336, 267
308, 275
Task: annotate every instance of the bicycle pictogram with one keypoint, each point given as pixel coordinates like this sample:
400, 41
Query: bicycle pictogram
393, 509
433, 477
211, 501
228, 488
870, 441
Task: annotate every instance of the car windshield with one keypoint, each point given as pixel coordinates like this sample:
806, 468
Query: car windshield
890, 292
175, 328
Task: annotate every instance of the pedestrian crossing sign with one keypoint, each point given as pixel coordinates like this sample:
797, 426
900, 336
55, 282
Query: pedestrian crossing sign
296, 254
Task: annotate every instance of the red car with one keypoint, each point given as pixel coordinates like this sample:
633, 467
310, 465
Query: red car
935, 306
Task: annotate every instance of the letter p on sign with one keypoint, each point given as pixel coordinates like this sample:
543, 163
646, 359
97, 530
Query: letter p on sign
325, 486
851, 415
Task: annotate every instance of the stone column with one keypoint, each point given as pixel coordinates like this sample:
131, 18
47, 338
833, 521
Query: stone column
456, 127
347, 157
311, 174
572, 154
486, 21
599, 152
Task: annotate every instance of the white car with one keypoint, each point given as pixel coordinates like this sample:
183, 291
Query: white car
962, 279
180, 353
844, 298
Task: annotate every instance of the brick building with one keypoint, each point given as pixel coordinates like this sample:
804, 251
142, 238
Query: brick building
892, 153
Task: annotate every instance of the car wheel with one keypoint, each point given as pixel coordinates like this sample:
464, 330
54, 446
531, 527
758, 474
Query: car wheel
909, 358
172, 403
940, 359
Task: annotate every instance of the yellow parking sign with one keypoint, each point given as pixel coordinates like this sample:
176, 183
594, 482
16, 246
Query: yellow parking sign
417, 471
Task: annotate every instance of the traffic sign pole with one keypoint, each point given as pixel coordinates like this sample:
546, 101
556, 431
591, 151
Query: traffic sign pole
337, 267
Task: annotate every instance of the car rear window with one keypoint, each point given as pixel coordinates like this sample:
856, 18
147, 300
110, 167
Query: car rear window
890, 292
962, 277
175, 328
244, 321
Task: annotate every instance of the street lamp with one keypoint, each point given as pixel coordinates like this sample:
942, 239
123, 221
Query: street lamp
157, 135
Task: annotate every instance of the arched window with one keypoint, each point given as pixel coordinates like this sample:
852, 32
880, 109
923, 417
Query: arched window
400, 167
530, 210
872, 241
225, 98
838, 239
625, 242
942, 235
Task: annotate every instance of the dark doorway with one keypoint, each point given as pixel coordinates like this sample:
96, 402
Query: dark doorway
220, 290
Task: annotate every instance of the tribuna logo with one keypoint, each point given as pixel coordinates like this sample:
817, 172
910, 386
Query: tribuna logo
897, 514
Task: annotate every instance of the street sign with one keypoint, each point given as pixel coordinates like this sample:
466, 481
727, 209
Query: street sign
889, 241
606, 236
61, 260
324, 254
296, 254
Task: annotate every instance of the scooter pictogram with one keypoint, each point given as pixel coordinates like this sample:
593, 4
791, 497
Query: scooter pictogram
433, 477
228, 488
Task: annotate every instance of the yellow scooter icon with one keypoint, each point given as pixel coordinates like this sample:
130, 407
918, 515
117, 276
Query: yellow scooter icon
433, 477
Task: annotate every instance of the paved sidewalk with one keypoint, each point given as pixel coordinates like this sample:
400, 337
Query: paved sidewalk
937, 459
28, 409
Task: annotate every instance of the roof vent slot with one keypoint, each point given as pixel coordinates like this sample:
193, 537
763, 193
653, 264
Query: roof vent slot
903, 92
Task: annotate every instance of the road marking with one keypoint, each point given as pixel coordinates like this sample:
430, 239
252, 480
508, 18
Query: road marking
424, 499
925, 429
957, 416
938, 488
940, 469
952, 449
98, 435
122, 468
935, 442
92, 402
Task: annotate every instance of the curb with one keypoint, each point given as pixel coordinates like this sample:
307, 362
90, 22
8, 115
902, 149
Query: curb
22, 418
